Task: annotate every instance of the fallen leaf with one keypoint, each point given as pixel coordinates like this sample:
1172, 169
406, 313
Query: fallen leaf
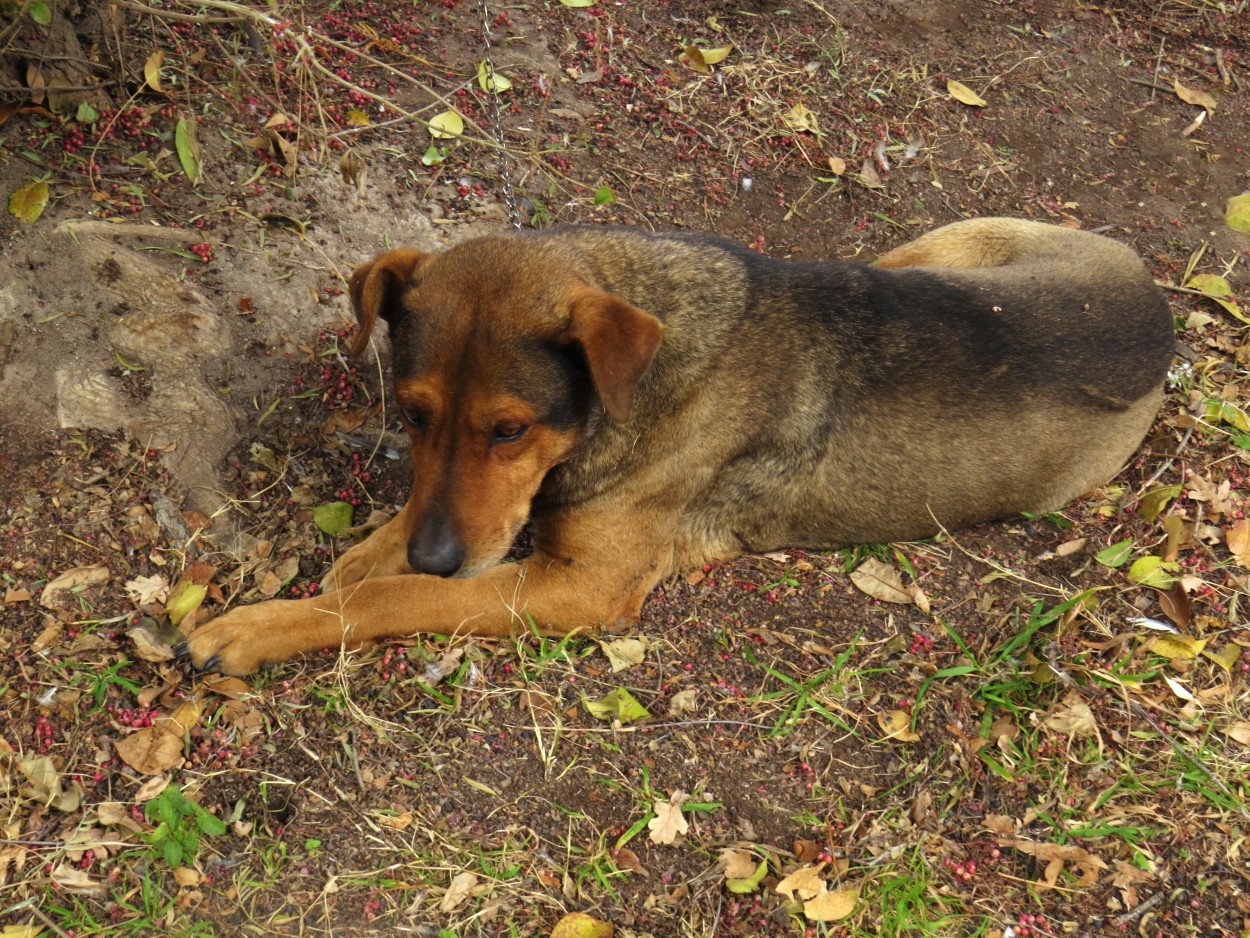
77, 881
19, 595
461, 886
748, 884
624, 653
1238, 540
1056, 855
73, 579
897, 725
1239, 731
28, 202
1153, 571
446, 125
143, 590
1074, 717
1116, 555
683, 702
187, 143
881, 581
152, 71
1178, 646
148, 646
1237, 212
1217, 289
1192, 96
579, 924
490, 80
150, 751
333, 518
868, 177
1179, 689
618, 704
45, 785
669, 820
1227, 657
737, 863
831, 906
1175, 605
837, 165
701, 59
804, 883
963, 94
626, 859
800, 119
185, 599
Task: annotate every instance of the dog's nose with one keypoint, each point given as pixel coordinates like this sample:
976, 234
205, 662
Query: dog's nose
436, 548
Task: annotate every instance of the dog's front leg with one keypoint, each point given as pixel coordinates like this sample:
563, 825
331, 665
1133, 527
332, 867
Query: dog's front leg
382, 553
556, 596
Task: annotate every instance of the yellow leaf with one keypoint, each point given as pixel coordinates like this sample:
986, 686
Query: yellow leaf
1237, 212
831, 906
804, 883
700, 59
581, 925
1227, 657
358, 118
837, 165
1178, 646
490, 80
152, 71
1190, 96
897, 725
963, 94
1238, 541
1240, 731
446, 125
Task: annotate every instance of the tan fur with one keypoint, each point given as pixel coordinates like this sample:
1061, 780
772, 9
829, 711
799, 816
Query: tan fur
651, 403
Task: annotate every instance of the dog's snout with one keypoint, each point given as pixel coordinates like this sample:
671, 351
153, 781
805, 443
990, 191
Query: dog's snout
436, 548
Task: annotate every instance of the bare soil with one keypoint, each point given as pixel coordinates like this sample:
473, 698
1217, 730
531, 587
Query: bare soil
1020, 749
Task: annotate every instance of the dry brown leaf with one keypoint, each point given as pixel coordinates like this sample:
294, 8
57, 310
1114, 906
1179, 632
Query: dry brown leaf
51, 634
1193, 96
868, 177
12, 595
77, 881
837, 165
148, 647
737, 863
1056, 855
45, 785
1239, 731
461, 887
882, 581
831, 906
1073, 717
683, 702
143, 590
71, 579
963, 94
150, 751
626, 859
804, 883
668, 821
800, 119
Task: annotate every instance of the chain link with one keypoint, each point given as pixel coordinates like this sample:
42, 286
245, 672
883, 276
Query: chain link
505, 173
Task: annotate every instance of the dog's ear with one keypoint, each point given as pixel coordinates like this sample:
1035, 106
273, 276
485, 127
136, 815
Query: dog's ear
375, 288
619, 341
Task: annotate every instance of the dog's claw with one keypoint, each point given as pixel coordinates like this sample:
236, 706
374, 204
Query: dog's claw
181, 650
212, 663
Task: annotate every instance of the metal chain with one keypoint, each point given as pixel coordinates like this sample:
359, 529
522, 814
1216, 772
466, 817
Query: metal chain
505, 175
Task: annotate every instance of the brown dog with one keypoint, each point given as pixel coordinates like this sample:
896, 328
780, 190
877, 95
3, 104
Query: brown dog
654, 403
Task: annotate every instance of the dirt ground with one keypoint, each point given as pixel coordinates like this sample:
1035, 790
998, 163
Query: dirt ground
1037, 727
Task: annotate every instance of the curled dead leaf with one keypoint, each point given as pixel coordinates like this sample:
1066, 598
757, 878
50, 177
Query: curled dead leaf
881, 581
458, 891
804, 883
831, 906
1193, 96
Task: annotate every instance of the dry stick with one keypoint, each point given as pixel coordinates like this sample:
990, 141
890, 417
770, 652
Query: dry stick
170, 15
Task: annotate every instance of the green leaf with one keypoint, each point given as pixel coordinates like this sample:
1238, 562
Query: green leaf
1116, 555
433, 156
28, 202
185, 599
618, 704
1218, 290
577, 4
173, 852
1237, 212
604, 196
1153, 571
334, 518
41, 13
209, 824
1226, 412
188, 148
749, 883
86, 114
278, 220
1156, 500
489, 80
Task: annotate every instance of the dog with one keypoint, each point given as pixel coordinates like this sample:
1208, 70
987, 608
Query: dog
650, 403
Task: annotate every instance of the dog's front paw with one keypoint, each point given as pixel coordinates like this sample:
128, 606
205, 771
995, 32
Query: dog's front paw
372, 558
247, 639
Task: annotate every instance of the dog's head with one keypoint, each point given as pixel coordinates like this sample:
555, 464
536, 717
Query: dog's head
501, 355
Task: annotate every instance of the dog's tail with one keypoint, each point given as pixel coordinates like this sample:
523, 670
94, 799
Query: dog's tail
997, 242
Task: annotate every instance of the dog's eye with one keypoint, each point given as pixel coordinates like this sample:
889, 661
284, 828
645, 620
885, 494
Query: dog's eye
413, 417
508, 433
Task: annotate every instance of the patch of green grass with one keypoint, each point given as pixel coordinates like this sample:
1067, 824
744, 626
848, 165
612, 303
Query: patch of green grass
911, 905
797, 698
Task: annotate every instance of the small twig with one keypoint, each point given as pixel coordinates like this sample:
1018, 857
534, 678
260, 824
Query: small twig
171, 15
1141, 909
1158, 63
1150, 83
